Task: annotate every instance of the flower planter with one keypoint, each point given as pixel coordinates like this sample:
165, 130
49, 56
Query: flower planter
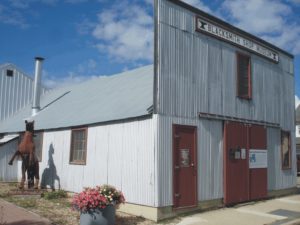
110, 214
97, 206
104, 216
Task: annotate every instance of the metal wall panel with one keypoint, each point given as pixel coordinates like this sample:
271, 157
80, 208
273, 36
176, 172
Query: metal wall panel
120, 154
278, 178
15, 92
197, 73
8, 173
209, 153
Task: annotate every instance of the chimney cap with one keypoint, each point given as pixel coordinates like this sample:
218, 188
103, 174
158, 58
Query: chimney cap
39, 58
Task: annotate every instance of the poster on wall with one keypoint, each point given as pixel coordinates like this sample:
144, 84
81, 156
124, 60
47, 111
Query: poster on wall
258, 158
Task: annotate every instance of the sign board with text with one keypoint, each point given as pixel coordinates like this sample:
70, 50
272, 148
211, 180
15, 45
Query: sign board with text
258, 158
236, 39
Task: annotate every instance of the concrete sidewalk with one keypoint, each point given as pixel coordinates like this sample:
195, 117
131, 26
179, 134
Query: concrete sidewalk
14, 215
285, 210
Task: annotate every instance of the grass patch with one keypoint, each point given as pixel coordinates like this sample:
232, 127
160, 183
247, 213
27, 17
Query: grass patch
55, 195
25, 202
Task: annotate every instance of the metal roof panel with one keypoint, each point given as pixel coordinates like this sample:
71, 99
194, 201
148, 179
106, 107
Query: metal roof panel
106, 98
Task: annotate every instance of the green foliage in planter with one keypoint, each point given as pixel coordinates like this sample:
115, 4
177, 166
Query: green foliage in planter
55, 194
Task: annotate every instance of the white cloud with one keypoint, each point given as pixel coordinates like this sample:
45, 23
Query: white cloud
14, 12
71, 79
12, 16
80, 73
296, 1
86, 67
268, 19
57, 82
288, 38
198, 4
149, 2
297, 101
257, 16
125, 33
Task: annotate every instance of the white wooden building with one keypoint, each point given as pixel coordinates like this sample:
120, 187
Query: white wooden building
210, 123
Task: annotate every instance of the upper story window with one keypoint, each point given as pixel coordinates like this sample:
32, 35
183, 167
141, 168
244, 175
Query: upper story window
78, 146
285, 150
9, 73
243, 76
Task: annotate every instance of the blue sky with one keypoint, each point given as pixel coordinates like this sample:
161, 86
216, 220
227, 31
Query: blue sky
85, 38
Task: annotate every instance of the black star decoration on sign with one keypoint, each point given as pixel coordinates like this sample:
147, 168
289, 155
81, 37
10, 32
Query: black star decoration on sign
202, 25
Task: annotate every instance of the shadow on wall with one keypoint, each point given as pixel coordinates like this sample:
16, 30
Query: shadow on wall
49, 175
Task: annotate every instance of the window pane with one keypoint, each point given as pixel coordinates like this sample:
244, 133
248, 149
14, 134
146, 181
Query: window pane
243, 75
78, 147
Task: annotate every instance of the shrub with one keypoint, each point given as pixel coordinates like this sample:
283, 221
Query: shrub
54, 194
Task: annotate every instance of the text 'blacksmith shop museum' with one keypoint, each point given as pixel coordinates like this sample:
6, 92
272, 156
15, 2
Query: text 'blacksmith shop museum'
211, 123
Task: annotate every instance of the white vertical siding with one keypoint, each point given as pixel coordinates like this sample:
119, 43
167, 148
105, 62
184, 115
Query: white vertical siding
209, 153
8, 173
121, 154
15, 92
277, 177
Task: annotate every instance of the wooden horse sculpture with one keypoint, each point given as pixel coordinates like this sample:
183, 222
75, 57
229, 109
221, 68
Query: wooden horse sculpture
26, 150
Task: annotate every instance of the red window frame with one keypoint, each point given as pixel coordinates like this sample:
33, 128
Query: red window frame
239, 56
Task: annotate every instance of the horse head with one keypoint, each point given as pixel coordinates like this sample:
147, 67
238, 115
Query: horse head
29, 126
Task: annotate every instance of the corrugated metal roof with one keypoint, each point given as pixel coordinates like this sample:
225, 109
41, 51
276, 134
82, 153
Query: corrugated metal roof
106, 98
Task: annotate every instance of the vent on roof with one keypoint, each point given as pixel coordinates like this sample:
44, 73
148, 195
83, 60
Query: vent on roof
9, 73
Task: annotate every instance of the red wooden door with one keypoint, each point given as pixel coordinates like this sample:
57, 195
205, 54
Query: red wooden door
236, 169
184, 166
258, 173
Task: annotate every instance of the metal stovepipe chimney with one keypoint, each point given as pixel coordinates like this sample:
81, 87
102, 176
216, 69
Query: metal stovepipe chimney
37, 86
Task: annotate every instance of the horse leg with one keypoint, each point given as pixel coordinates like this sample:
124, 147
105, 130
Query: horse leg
36, 175
13, 157
21, 186
30, 176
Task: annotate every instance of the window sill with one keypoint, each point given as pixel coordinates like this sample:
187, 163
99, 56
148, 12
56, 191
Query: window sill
286, 168
78, 163
244, 98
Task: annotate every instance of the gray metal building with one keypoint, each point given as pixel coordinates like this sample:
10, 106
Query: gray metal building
210, 123
16, 89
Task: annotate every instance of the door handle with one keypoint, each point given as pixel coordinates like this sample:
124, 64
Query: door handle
192, 165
